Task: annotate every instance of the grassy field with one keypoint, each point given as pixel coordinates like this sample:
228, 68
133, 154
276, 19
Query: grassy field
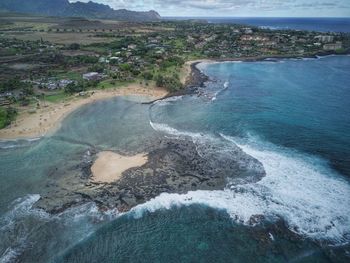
71, 30
56, 97
110, 84
59, 38
67, 75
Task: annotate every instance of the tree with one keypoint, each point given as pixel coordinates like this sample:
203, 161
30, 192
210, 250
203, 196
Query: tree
74, 46
147, 75
7, 115
125, 67
75, 87
171, 83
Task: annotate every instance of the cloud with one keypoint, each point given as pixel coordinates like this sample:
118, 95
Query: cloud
227, 7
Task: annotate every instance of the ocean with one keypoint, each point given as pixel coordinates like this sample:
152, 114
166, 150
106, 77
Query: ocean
326, 24
292, 115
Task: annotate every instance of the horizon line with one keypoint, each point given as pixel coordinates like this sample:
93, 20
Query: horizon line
348, 17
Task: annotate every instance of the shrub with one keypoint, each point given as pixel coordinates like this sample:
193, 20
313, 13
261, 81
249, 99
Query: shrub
147, 75
171, 83
75, 87
7, 115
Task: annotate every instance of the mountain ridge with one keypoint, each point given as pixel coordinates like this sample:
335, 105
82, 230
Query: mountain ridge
77, 9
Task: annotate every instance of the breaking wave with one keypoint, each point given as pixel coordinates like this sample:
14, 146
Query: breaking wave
20, 225
312, 198
9, 144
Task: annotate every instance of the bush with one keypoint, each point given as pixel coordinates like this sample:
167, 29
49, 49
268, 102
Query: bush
75, 87
171, 83
125, 67
97, 68
11, 84
172, 61
147, 75
74, 46
7, 115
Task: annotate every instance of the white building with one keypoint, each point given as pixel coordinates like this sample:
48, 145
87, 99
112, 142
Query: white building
325, 39
332, 47
92, 76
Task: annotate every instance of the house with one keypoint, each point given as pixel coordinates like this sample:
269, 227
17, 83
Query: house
6, 94
324, 39
51, 86
332, 47
92, 76
103, 60
115, 59
247, 30
132, 46
64, 83
254, 38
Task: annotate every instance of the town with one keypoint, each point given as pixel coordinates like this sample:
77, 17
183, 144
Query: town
50, 60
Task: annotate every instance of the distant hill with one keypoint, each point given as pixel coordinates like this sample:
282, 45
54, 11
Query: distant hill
77, 9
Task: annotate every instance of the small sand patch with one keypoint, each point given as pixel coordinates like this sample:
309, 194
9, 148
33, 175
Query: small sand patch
109, 166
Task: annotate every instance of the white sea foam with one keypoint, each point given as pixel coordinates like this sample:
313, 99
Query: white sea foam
22, 220
21, 207
9, 144
172, 131
9, 255
225, 86
313, 199
327, 56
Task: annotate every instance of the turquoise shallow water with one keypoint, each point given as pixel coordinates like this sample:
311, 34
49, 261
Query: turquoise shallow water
291, 115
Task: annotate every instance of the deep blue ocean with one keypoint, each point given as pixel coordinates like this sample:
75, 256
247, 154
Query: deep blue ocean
291, 115
312, 24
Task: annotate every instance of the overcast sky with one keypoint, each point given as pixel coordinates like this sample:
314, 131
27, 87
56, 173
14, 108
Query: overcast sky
270, 8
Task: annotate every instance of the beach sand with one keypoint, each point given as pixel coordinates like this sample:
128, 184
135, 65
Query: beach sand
186, 71
49, 116
109, 166
39, 122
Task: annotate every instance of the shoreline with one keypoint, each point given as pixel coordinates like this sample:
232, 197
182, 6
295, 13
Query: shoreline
197, 78
46, 120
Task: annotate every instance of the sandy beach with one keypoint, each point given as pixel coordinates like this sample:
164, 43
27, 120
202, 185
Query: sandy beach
36, 123
186, 72
109, 166
49, 116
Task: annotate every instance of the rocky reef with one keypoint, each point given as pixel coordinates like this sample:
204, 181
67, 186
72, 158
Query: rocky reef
174, 166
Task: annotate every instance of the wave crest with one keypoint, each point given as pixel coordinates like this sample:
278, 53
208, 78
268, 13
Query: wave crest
299, 188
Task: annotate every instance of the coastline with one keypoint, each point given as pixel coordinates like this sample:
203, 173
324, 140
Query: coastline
46, 120
197, 78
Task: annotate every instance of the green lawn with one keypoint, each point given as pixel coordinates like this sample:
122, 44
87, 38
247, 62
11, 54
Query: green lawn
68, 75
57, 97
109, 84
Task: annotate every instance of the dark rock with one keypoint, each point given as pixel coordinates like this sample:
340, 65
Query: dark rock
174, 166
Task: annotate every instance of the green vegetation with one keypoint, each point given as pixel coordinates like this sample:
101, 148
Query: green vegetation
54, 98
171, 83
49, 55
13, 84
76, 87
64, 74
7, 115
